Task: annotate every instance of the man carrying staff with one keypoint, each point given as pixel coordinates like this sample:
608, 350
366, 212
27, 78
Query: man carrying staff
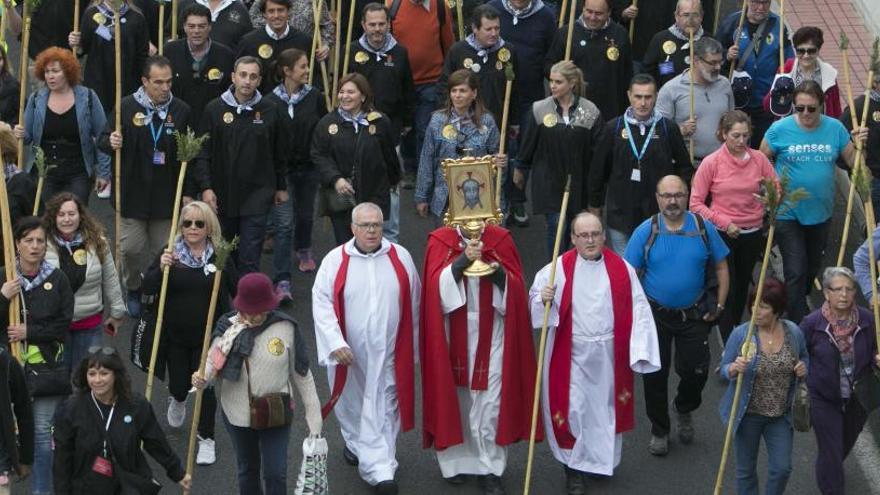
600, 48
149, 170
478, 383
240, 171
667, 54
365, 302
592, 352
674, 250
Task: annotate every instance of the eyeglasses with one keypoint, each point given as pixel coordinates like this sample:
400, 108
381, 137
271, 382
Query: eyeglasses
711, 63
841, 289
675, 196
805, 108
96, 349
586, 236
369, 227
807, 51
200, 224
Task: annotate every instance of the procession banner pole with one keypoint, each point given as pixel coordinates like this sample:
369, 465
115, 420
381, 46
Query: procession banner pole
571, 14
188, 146
736, 35
160, 44
560, 228
347, 54
508, 87
336, 54
776, 196
691, 73
222, 249
117, 112
9, 260
632, 22
562, 9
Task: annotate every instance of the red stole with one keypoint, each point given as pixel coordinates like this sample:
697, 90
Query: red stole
404, 362
560, 361
458, 340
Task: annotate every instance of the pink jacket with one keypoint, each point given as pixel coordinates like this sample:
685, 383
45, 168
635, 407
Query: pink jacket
724, 188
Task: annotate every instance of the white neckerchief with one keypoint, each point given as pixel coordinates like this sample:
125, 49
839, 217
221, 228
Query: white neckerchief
216, 13
276, 37
228, 97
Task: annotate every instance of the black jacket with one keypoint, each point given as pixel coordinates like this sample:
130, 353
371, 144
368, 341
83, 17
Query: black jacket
49, 312
297, 132
367, 159
661, 64
605, 57
242, 162
197, 88
147, 189
50, 25
231, 24
872, 158
9, 93
258, 44
16, 413
630, 202
79, 435
391, 80
100, 67
491, 75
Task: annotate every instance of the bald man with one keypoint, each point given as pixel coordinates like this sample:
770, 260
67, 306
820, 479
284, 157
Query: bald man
593, 349
676, 253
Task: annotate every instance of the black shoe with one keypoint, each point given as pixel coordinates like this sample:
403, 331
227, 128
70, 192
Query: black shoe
574, 482
458, 479
349, 457
491, 485
387, 487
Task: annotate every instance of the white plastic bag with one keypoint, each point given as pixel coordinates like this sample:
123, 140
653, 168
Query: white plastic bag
312, 478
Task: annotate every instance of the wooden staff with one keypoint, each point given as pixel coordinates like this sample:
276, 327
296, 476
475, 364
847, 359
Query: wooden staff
632, 22
560, 228
75, 16
222, 250
691, 73
316, 33
776, 196
571, 14
9, 261
161, 44
174, 14
717, 17
736, 35
865, 191
23, 73
347, 54
188, 146
459, 12
505, 112
117, 112
333, 90
781, 36
562, 13
327, 90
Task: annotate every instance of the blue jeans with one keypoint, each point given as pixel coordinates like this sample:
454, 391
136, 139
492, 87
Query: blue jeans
565, 242
256, 449
778, 436
44, 413
77, 343
801, 247
250, 230
391, 226
411, 144
294, 218
617, 240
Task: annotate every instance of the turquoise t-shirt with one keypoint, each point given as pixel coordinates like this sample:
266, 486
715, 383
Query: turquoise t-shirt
808, 158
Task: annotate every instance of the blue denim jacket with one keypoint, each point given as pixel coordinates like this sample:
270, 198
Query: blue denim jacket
90, 118
731, 352
431, 187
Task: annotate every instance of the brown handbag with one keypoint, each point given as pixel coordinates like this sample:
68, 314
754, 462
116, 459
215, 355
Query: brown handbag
270, 410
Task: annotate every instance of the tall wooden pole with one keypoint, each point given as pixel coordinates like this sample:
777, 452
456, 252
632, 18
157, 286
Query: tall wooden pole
736, 34
632, 22
23, 75
9, 260
461, 21
316, 35
717, 17
536, 401
347, 54
161, 42
692, 114
570, 32
117, 113
174, 14
75, 16
505, 112
562, 9
336, 54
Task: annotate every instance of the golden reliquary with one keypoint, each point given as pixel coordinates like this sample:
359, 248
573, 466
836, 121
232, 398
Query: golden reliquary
473, 201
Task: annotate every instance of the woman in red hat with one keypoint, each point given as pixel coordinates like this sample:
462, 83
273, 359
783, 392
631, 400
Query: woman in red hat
256, 354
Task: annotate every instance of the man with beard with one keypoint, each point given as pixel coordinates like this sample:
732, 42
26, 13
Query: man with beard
149, 170
634, 151
667, 54
673, 251
712, 98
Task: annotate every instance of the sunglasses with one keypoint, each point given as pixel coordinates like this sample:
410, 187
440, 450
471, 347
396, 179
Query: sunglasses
807, 51
96, 349
803, 108
200, 224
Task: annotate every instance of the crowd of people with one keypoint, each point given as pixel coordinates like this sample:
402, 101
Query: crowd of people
666, 160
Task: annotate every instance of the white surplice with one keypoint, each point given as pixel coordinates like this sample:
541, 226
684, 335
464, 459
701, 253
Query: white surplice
478, 454
591, 416
367, 410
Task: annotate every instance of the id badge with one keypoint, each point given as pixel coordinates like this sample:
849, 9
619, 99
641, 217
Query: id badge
103, 466
104, 32
158, 157
666, 68
636, 175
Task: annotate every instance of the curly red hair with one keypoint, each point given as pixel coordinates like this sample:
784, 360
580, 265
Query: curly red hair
67, 60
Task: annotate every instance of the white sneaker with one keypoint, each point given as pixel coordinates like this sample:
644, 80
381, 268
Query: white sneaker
104, 193
207, 454
176, 413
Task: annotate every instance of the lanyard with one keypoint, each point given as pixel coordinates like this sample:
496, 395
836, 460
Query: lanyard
156, 134
107, 424
632, 141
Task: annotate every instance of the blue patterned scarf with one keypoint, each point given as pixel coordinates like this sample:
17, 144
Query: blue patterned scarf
483, 52
292, 100
390, 43
70, 245
533, 7
229, 98
186, 257
144, 100
107, 12
26, 285
10, 170
356, 120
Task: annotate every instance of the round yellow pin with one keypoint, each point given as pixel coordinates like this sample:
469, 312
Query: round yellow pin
99, 18
214, 74
550, 120
361, 57
612, 53
265, 50
333, 129
504, 54
228, 118
139, 119
80, 257
449, 131
467, 63
669, 47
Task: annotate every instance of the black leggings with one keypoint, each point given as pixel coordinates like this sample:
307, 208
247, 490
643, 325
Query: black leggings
183, 361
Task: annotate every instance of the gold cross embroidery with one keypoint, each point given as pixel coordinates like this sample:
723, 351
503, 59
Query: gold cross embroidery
624, 396
558, 419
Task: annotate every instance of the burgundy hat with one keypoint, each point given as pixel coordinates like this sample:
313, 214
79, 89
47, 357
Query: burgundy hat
255, 294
